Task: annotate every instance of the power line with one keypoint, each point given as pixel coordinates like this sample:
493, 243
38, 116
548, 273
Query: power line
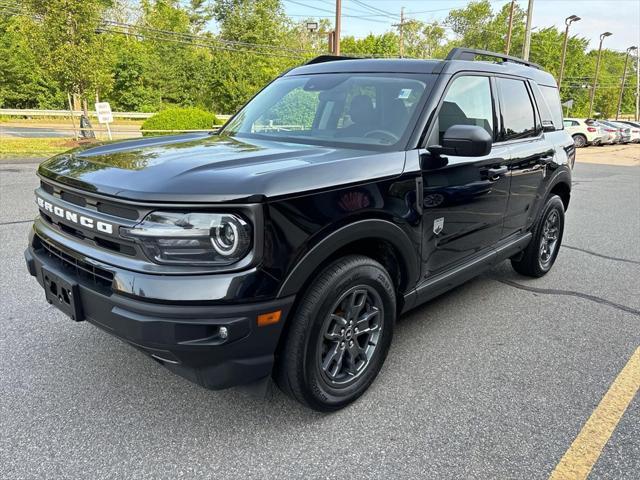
361, 17
200, 40
375, 9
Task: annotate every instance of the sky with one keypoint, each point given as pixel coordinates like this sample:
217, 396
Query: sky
621, 17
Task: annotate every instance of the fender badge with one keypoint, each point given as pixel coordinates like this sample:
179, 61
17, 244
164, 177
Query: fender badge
438, 225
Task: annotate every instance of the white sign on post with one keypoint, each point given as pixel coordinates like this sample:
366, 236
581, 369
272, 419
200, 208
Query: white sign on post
103, 111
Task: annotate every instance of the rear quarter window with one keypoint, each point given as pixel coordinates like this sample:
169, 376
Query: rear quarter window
551, 97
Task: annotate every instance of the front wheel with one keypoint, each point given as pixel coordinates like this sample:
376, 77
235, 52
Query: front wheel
540, 255
339, 336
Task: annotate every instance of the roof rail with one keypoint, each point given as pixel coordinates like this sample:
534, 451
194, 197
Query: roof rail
328, 58
471, 54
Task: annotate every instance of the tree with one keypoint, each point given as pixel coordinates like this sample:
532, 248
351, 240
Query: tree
76, 57
472, 24
237, 74
423, 40
384, 45
23, 82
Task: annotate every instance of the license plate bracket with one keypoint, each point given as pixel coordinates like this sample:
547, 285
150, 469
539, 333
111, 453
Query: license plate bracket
63, 293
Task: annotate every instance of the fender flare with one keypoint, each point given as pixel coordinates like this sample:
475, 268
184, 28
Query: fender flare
561, 177
360, 230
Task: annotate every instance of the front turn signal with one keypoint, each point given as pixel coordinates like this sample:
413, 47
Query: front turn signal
269, 318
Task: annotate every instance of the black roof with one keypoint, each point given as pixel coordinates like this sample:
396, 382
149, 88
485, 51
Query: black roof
512, 66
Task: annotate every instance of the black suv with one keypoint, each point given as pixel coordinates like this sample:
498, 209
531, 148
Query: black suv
285, 245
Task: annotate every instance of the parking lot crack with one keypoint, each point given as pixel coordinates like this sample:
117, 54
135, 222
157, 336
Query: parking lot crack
16, 222
570, 293
591, 252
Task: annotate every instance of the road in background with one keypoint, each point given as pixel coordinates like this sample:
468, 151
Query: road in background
60, 130
492, 380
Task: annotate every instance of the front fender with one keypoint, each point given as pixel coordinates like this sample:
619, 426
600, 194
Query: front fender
360, 230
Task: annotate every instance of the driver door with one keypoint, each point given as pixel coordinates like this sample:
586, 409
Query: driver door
465, 201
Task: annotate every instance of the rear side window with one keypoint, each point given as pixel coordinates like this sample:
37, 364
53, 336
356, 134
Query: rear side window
552, 98
467, 102
518, 116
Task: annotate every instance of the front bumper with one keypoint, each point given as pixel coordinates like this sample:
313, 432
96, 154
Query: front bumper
184, 337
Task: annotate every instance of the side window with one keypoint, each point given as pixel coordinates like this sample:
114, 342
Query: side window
517, 111
467, 102
568, 123
552, 98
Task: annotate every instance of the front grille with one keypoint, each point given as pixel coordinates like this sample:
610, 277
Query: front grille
99, 205
99, 276
123, 215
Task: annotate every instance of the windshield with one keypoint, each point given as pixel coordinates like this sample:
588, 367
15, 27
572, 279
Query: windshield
366, 110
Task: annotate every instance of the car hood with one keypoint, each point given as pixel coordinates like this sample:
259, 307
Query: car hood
211, 168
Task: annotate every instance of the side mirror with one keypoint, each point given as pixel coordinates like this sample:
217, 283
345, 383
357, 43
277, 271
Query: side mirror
464, 141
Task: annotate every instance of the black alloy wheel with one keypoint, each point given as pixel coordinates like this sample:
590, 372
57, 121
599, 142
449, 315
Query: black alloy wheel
350, 335
339, 335
549, 238
541, 253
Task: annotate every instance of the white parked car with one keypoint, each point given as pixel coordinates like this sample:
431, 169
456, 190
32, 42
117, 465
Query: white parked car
583, 131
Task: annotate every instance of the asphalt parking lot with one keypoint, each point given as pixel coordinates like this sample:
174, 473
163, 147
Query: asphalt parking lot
492, 380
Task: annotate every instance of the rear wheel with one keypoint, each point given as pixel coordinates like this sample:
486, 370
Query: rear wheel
540, 255
339, 336
579, 141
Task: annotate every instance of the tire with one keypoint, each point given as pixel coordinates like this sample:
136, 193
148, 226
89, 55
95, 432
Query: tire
537, 259
315, 339
579, 141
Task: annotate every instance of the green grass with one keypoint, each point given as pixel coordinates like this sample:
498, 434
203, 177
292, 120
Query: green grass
34, 147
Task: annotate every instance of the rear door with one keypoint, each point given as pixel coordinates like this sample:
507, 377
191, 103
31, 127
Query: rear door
464, 201
529, 151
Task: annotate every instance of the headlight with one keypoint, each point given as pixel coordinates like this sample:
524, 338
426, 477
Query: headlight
192, 238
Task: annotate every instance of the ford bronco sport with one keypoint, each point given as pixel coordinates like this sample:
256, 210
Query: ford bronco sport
286, 244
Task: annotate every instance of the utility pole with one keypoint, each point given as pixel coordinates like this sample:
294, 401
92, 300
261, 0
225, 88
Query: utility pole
527, 31
336, 33
513, 4
595, 78
401, 29
638, 85
624, 75
567, 21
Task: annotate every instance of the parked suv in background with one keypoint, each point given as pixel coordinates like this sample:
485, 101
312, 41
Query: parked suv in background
583, 131
344, 194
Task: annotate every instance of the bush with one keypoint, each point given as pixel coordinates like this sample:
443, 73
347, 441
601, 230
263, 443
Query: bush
179, 119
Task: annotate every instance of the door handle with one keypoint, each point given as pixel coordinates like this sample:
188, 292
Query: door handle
497, 172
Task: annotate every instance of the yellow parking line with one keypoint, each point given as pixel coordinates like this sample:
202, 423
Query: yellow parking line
585, 450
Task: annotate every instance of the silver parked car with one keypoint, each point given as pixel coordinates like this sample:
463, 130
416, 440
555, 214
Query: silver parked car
635, 130
611, 128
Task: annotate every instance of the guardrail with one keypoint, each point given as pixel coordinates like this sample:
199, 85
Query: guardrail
32, 112
29, 112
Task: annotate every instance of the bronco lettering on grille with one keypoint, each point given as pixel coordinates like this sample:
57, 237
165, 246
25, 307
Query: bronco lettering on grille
74, 217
